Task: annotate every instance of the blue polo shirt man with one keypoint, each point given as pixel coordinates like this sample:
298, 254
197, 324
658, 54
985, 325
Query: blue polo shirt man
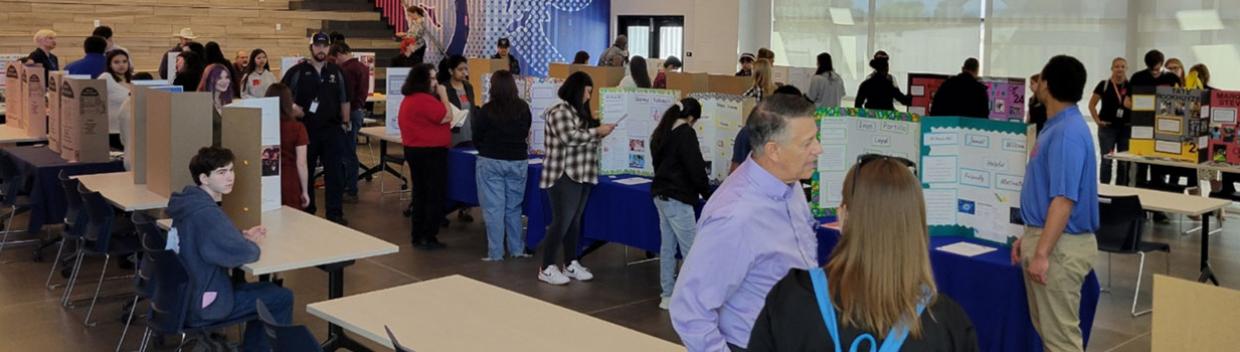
1059, 204
93, 63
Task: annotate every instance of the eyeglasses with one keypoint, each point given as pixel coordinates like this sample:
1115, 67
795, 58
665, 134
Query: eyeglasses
866, 158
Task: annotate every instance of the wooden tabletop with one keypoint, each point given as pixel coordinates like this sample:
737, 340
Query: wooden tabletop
11, 135
297, 240
1168, 202
118, 188
1209, 165
381, 133
456, 313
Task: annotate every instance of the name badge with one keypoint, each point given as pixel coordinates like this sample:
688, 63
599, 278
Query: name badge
1119, 113
314, 107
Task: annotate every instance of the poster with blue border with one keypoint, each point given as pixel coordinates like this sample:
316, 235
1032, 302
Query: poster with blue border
972, 171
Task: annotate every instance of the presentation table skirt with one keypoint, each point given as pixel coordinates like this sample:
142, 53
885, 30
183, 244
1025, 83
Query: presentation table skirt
39, 168
991, 290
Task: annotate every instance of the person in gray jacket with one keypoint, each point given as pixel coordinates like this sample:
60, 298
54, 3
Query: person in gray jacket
826, 88
209, 245
616, 55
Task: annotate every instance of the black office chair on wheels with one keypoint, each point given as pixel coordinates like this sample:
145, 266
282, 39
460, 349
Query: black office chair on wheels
1123, 224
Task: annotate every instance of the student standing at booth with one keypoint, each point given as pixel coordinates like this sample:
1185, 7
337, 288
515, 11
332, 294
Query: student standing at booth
319, 89
679, 178
501, 133
1059, 205
425, 131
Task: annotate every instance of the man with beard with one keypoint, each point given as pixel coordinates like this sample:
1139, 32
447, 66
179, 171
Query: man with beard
319, 89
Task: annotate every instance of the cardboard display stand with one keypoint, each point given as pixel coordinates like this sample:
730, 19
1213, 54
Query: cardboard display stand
135, 152
13, 89
1224, 134
558, 70
395, 79
251, 129
34, 117
84, 120
54, 85
688, 83
1171, 123
729, 84
603, 77
1191, 316
483, 67
177, 125
921, 87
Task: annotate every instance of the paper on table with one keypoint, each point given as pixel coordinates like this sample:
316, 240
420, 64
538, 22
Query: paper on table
633, 181
967, 249
472, 151
939, 169
940, 206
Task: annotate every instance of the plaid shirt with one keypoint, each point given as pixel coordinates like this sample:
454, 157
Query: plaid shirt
572, 148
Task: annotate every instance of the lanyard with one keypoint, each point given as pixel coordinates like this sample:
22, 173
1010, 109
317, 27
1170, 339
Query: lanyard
1118, 94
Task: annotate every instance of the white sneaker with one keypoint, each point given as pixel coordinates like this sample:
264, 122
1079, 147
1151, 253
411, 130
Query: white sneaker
576, 271
553, 275
665, 303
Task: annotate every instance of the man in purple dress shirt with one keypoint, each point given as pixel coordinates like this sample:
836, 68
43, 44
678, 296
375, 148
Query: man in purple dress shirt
754, 229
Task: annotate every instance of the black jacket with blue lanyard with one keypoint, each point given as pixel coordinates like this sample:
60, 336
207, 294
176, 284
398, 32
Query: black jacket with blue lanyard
793, 320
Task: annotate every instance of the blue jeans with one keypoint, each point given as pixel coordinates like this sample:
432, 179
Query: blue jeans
676, 223
279, 301
501, 189
351, 163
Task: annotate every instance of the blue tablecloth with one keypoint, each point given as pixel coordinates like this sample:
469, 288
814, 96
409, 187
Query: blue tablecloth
991, 290
40, 169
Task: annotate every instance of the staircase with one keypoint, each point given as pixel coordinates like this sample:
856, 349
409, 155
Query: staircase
358, 33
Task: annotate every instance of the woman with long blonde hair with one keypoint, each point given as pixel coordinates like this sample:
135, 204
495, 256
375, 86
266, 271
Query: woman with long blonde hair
763, 80
877, 285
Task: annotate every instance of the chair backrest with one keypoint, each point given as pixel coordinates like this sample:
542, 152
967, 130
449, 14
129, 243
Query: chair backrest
12, 181
1122, 220
170, 297
396, 344
99, 219
152, 241
75, 218
286, 337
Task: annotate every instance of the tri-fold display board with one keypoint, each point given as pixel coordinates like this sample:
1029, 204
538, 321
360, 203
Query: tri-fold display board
135, 149
971, 170
251, 129
1224, 134
690, 83
723, 115
1171, 123
540, 93
177, 125
83, 119
12, 90
636, 112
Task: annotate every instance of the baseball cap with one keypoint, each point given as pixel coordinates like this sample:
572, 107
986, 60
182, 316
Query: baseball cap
320, 38
747, 57
503, 43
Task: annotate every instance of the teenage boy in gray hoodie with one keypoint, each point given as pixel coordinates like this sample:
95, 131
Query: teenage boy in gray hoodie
209, 246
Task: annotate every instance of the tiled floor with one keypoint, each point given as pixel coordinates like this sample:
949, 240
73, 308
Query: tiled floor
31, 319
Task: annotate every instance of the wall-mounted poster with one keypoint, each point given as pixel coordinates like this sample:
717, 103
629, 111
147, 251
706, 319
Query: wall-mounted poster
395, 79
636, 112
847, 133
972, 171
921, 87
1007, 98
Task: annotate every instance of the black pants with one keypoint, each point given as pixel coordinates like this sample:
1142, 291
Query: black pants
1116, 138
429, 174
568, 205
327, 148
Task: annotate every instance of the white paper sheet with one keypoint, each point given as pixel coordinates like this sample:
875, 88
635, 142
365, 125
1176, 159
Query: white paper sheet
1167, 147
833, 158
1143, 102
1142, 132
1169, 126
917, 91
633, 181
939, 169
940, 206
967, 249
1223, 115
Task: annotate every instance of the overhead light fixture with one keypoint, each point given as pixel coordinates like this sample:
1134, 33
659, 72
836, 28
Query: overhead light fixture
842, 16
1199, 20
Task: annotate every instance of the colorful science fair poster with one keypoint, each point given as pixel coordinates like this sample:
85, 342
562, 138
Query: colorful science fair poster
847, 133
1007, 98
636, 112
972, 171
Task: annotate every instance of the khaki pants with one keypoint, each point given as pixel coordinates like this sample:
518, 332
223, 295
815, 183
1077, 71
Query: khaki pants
1055, 306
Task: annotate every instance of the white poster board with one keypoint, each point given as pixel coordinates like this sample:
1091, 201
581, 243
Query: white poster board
543, 93
846, 134
636, 111
973, 171
368, 59
716, 130
395, 79
270, 141
287, 62
172, 65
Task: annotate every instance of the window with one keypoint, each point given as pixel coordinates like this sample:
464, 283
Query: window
805, 28
654, 36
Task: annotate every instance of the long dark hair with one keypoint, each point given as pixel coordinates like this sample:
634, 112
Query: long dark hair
637, 69
824, 64
447, 65
125, 78
687, 107
287, 113
419, 80
504, 93
192, 74
253, 66
215, 55
573, 92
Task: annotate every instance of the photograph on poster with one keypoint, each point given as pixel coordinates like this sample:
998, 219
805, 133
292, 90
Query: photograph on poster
271, 160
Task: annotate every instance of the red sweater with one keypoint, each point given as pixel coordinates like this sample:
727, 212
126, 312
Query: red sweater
420, 116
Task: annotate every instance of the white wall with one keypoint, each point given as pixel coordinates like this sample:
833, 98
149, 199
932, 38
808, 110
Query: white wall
711, 29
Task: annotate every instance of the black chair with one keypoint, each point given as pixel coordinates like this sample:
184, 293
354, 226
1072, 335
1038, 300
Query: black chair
74, 224
13, 195
286, 337
99, 242
396, 344
152, 240
1123, 225
170, 300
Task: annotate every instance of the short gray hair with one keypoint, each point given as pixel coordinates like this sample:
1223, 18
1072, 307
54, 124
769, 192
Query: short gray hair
769, 120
